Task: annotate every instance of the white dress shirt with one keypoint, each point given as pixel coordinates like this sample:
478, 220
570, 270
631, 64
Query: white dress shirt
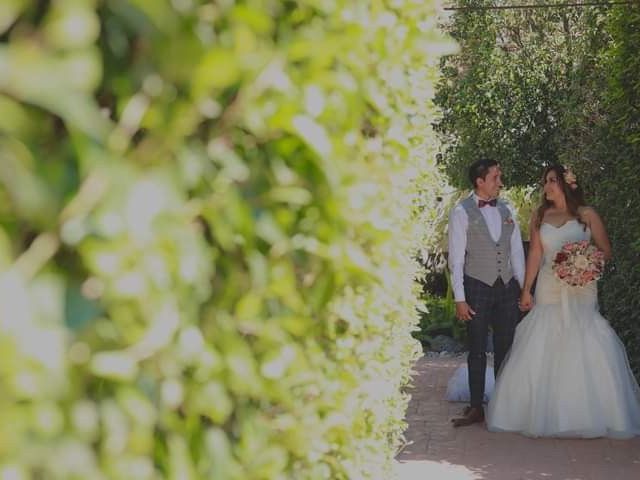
458, 222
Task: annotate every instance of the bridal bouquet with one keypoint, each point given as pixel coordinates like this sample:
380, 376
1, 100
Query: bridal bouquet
578, 263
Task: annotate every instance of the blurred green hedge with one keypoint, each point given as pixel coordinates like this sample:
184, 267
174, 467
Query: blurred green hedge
210, 214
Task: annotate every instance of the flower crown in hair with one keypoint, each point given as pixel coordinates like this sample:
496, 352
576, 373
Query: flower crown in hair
570, 178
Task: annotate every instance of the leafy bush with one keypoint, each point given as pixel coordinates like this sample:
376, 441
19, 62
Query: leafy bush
616, 181
524, 89
207, 239
438, 317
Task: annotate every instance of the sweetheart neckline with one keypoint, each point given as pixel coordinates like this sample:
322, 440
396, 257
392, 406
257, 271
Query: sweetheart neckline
552, 225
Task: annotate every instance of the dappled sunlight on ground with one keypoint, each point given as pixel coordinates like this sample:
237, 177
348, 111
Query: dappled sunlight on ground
437, 451
427, 470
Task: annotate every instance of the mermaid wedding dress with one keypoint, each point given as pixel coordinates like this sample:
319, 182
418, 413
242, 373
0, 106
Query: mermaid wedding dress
567, 373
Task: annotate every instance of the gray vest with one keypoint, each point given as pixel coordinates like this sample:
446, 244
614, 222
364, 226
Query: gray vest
486, 259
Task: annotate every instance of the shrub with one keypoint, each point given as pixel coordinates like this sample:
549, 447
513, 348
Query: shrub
207, 238
617, 197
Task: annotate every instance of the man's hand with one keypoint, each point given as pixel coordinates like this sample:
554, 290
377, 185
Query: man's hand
464, 312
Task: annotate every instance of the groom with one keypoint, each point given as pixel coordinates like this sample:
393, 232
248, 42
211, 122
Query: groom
486, 260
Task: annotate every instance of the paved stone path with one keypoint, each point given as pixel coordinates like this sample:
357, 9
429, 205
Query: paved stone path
437, 451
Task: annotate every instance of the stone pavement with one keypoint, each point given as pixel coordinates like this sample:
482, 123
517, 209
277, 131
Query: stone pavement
437, 451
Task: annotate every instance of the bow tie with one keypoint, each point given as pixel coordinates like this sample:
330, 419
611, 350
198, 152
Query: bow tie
484, 203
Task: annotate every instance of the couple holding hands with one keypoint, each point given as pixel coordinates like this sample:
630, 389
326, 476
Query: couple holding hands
561, 371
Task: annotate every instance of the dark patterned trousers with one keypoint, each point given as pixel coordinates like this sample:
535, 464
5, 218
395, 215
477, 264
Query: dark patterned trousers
495, 306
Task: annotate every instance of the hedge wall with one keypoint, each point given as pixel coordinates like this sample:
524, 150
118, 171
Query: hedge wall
616, 183
206, 237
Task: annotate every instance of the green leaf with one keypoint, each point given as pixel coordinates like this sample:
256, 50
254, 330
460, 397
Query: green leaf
218, 69
9, 11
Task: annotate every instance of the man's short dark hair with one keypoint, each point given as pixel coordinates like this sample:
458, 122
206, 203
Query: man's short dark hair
479, 169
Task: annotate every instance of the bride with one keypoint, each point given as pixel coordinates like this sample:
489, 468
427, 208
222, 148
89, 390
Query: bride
567, 373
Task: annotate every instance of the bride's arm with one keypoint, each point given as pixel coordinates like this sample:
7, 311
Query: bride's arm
534, 258
598, 232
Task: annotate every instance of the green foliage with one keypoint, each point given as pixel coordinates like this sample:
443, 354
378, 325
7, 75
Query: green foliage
518, 91
439, 315
525, 201
207, 242
618, 197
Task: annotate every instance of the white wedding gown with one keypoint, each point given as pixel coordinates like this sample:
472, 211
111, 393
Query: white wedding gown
458, 385
567, 373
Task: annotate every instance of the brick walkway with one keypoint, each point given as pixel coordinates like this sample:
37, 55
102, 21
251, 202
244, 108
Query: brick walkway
437, 451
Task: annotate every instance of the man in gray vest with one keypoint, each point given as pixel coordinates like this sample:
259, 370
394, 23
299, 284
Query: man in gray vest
486, 260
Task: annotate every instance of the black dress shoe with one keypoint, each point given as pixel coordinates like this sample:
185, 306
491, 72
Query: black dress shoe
470, 416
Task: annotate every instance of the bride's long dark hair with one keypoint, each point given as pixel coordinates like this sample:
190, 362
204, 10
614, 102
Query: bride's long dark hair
572, 192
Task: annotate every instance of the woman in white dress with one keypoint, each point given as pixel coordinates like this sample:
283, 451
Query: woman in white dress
567, 373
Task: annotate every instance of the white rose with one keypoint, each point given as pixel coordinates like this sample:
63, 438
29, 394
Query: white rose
581, 262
